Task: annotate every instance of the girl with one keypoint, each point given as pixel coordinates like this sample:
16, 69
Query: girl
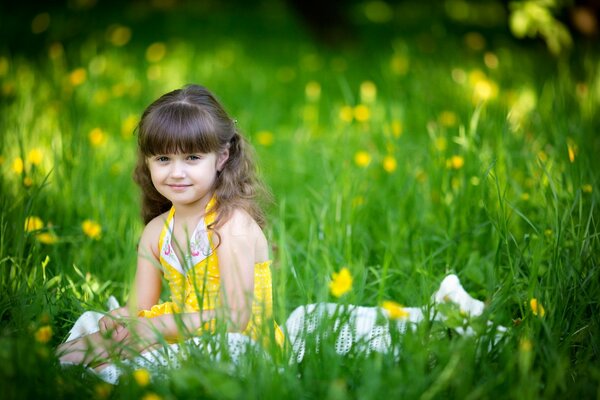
203, 235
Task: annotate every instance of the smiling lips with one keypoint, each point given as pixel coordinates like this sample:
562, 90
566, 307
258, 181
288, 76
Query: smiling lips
179, 187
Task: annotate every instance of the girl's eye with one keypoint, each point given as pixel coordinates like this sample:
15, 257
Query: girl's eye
194, 157
162, 158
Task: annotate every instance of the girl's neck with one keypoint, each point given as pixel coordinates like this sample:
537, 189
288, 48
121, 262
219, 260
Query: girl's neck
192, 211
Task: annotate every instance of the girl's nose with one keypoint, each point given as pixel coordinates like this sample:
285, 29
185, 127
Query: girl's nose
178, 170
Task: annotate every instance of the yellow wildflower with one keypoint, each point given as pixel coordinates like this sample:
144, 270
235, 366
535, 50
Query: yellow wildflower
265, 138
119, 35
151, 396
395, 310
17, 165
455, 162
35, 156
27, 181
103, 390
43, 334
128, 126
587, 188
312, 91
537, 307
448, 118
92, 229
142, 377
572, 149
346, 114
362, 159
396, 128
368, 92
33, 223
362, 113
389, 164
46, 238
77, 77
156, 52
341, 282
97, 137
485, 89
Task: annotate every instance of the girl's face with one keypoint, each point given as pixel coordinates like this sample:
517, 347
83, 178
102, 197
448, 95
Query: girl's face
186, 179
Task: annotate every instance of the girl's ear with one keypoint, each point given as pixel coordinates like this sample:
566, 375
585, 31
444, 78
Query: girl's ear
222, 159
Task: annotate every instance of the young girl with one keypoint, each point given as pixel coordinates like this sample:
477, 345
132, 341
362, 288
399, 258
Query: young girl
203, 235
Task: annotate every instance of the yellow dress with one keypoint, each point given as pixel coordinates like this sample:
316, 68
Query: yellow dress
196, 285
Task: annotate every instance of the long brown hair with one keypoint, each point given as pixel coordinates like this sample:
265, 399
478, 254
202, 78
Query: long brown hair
191, 120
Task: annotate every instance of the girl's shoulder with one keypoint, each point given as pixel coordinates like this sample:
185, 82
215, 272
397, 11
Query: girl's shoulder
240, 223
152, 230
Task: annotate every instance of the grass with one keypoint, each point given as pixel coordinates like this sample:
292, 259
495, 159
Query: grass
478, 161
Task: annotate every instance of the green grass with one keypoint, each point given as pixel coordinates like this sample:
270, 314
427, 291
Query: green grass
518, 220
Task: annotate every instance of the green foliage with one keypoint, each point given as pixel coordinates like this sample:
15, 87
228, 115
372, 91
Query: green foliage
404, 156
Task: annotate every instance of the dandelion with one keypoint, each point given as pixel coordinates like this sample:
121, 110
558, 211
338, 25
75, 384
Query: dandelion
142, 377
312, 91
537, 307
362, 113
33, 223
43, 334
91, 229
17, 165
341, 282
587, 188
77, 76
27, 181
265, 138
447, 118
395, 310
156, 52
485, 90
396, 128
368, 92
35, 156
346, 114
96, 137
119, 35
455, 162
151, 396
46, 238
362, 159
128, 126
571, 149
389, 164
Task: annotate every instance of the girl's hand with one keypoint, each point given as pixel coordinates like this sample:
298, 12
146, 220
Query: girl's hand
138, 335
113, 320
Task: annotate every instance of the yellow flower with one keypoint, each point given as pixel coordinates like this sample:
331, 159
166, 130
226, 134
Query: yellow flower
537, 307
587, 188
77, 77
341, 282
43, 334
27, 181
346, 114
389, 164
151, 396
119, 35
17, 165
448, 118
97, 137
396, 128
362, 113
362, 159
368, 92
142, 377
395, 310
35, 156
46, 238
102, 390
265, 138
572, 149
128, 126
455, 162
92, 229
155, 52
33, 223
313, 91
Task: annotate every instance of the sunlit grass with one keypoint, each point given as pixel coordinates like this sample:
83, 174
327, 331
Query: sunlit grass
389, 171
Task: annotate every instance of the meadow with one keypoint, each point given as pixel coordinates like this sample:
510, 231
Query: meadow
421, 145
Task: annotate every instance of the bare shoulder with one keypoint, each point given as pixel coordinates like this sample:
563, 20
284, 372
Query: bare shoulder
241, 227
151, 233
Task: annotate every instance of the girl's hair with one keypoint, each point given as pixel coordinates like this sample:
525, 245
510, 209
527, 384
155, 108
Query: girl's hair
191, 120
